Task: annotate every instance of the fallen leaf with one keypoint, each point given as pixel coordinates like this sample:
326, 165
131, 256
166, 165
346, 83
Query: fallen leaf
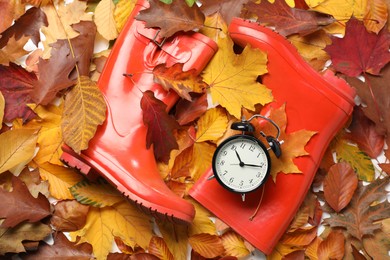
234, 244
175, 237
232, 78
160, 126
226, 8
377, 246
363, 133
312, 248
64, 248
104, 19
84, 110
182, 82
361, 216
27, 208
13, 50
369, 54
16, 84
202, 223
332, 247
177, 16
11, 238
17, 147
202, 155
60, 179
206, 245
69, 215
98, 194
339, 185
211, 125
130, 225
288, 20
9, 10
28, 25
187, 111
33, 181
376, 15
159, 248
121, 13
341, 11
300, 237
2, 106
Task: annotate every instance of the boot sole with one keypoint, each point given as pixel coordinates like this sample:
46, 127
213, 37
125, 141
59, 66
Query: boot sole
84, 165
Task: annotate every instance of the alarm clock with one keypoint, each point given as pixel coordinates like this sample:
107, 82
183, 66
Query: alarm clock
241, 163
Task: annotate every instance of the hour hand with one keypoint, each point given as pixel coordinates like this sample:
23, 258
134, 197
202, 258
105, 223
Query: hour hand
238, 156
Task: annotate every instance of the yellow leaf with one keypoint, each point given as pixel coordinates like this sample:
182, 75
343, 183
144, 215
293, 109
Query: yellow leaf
202, 153
84, 110
214, 21
159, 248
211, 125
376, 15
232, 78
13, 50
104, 19
122, 220
2, 106
234, 244
60, 179
340, 10
50, 134
17, 147
122, 11
208, 246
280, 251
202, 222
311, 250
176, 238
99, 194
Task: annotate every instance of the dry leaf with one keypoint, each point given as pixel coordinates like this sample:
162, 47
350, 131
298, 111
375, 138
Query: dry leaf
2, 106
234, 245
69, 215
376, 15
159, 248
122, 11
207, 245
104, 19
84, 110
332, 247
211, 125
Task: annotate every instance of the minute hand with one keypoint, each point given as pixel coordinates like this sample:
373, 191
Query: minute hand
253, 165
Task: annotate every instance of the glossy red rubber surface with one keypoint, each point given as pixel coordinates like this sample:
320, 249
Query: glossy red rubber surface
321, 103
118, 150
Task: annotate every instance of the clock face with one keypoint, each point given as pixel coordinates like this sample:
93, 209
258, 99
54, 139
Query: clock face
241, 163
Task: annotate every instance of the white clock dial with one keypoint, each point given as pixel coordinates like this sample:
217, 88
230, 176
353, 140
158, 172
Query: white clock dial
241, 163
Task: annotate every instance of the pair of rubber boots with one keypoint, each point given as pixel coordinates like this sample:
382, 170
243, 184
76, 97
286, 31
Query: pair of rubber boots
118, 150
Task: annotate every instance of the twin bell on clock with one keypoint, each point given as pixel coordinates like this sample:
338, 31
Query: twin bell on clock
241, 163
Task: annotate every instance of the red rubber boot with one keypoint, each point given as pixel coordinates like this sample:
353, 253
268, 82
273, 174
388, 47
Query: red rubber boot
118, 150
321, 103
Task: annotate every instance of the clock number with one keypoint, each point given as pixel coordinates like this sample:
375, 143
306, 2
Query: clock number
241, 183
224, 152
224, 173
233, 147
250, 181
231, 179
252, 148
242, 145
222, 162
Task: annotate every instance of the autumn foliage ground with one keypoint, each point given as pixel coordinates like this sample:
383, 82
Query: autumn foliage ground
49, 67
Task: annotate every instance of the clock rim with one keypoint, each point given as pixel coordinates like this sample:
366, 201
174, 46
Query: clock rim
249, 137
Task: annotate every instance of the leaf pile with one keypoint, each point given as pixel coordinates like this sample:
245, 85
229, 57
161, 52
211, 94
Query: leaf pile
49, 97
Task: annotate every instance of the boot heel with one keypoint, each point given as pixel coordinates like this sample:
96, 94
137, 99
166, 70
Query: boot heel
71, 159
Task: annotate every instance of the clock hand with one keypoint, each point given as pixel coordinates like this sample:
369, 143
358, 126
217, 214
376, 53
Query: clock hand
238, 156
253, 165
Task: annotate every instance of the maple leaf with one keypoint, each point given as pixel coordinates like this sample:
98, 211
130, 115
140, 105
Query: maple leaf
288, 20
171, 18
28, 208
11, 238
226, 8
362, 132
232, 78
339, 185
361, 216
2, 107
16, 84
187, 111
340, 10
369, 54
28, 25
182, 82
160, 126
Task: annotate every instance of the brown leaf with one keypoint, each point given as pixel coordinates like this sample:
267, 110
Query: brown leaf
19, 205
300, 237
332, 247
226, 8
11, 238
187, 111
16, 84
62, 248
207, 245
361, 216
172, 18
340, 185
28, 25
159, 248
160, 126
377, 246
13, 50
288, 20
69, 215
364, 135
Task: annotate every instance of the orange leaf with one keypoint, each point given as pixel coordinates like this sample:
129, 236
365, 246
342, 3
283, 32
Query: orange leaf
158, 248
340, 185
207, 245
300, 237
332, 247
234, 244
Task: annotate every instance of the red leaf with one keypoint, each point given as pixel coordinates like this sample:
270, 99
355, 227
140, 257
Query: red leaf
16, 85
364, 135
359, 51
160, 127
340, 185
28, 24
288, 20
226, 8
187, 111
19, 205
